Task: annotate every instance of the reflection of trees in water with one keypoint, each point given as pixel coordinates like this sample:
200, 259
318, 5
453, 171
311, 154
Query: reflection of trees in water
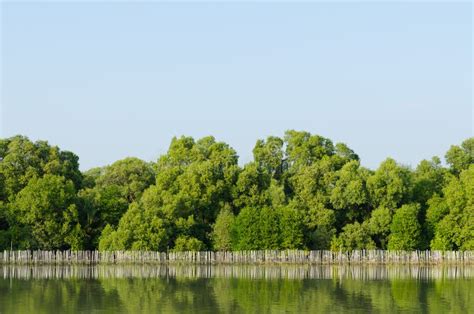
242, 271
248, 289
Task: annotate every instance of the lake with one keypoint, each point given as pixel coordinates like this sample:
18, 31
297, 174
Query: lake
236, 289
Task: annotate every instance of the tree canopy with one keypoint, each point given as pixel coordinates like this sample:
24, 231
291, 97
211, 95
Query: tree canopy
300, 191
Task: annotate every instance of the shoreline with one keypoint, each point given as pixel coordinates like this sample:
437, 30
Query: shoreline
262, 257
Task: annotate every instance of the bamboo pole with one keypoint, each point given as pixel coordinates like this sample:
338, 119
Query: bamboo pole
39, 257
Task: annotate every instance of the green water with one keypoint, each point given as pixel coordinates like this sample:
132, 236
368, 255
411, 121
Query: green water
236, 289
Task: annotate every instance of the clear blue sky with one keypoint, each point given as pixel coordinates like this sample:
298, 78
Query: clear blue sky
112, 80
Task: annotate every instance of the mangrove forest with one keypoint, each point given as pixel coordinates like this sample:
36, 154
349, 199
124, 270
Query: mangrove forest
300, 192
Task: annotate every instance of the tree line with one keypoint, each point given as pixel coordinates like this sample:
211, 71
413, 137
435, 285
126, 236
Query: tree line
301, 191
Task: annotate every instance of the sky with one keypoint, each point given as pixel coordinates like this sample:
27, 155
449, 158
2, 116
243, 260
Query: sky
108, 80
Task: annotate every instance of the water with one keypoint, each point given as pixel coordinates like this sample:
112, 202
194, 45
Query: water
236, 289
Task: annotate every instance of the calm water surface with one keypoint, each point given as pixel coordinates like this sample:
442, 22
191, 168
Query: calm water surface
236, 289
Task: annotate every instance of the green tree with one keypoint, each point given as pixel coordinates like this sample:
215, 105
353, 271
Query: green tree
46, 209
379, 226
429, 178
100, 207
89, 177
405, 228
312, 185
301, 191
187, 243
291, 228
109, 240
131, 175
354, 236
251, 187
199, 186
269, 155
303, 149
390, 185
350, 196
270, 229
343, 151
23, 160
222, 230
143, 227
311, 191
437, 210
194, 179
247, 229
453, 215
461, 157
320, 227
109, 193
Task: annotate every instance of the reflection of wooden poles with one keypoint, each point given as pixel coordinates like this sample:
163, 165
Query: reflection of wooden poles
273, 271
238, 257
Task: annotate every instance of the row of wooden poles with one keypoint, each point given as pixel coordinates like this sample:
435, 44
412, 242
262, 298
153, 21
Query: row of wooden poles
237, 257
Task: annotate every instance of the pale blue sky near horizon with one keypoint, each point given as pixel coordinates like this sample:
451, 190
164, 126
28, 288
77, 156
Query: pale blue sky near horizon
110, 80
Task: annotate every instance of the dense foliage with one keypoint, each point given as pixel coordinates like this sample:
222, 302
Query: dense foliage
300, 192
